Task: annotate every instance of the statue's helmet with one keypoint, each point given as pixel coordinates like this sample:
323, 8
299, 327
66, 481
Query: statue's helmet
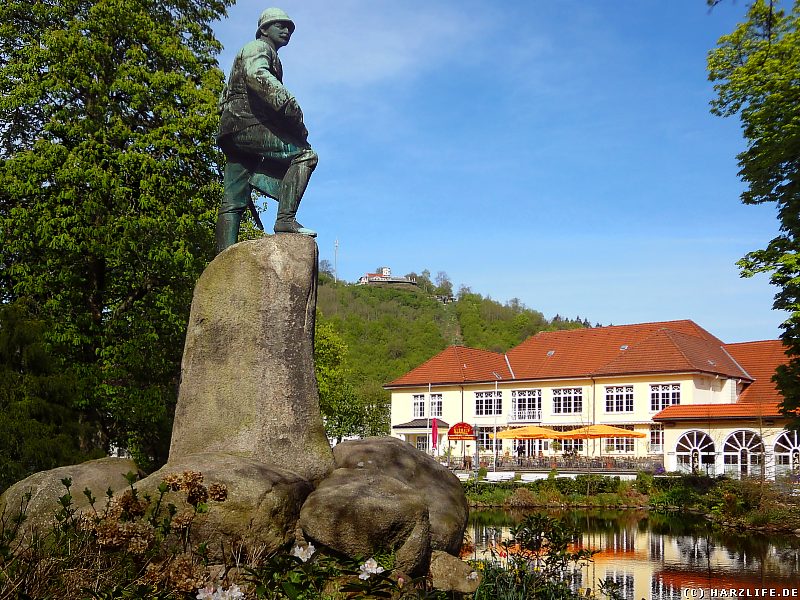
274, 15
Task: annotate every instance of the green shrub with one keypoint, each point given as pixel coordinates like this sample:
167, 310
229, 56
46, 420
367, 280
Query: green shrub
644, 483
532, 563
680, 497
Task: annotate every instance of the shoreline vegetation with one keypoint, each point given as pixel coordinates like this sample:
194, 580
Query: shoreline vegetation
747, 504
134, 546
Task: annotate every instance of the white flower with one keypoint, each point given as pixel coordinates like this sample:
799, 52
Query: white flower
303, 553
370, 567
208, 593
232, 593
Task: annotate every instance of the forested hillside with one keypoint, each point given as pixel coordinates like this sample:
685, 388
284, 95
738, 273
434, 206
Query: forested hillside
390, 329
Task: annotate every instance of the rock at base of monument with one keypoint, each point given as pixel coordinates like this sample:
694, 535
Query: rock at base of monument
360, 513
451, 574
248, 384
261, 510
435, 485
46, 488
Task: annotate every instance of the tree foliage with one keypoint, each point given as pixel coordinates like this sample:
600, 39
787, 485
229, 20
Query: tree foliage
108, 183
343, 412
756, 70
41, 429
388, 330
490, 325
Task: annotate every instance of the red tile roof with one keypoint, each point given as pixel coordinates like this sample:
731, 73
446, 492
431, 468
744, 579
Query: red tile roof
457, 364
670, 346
737, 410
760, 359
759, 399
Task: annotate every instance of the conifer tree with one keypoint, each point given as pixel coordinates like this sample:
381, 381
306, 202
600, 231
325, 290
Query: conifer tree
109, 180
40, 428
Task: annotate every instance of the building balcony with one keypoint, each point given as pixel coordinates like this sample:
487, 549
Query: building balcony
532, 415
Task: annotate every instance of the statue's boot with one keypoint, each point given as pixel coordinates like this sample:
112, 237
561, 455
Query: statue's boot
292, 188
227, 229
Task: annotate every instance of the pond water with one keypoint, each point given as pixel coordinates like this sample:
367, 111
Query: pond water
664, 556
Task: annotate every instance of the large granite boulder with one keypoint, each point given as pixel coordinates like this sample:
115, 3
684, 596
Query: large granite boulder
248, 385
359, 513
260, 510
452, 574
262, 506
46, 488
436, 486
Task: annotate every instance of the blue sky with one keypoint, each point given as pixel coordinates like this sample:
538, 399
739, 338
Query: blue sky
559, 152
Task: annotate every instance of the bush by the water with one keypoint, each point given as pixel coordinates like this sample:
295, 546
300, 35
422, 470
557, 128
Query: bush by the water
539, 560
744, 503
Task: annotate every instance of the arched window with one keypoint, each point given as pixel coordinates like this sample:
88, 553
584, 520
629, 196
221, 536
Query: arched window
787, 453
743, 453
695, 453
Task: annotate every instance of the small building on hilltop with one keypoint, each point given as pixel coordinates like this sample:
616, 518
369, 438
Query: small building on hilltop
385, 276
702, 405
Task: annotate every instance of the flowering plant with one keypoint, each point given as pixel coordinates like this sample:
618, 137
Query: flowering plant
210, 593
370, 567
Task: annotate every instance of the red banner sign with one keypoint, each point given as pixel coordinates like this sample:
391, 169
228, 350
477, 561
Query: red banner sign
461, 431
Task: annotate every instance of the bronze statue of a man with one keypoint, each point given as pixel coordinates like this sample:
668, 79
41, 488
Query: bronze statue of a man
262, 134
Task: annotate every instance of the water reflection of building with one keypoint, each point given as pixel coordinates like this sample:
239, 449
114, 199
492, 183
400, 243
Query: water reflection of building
661, 566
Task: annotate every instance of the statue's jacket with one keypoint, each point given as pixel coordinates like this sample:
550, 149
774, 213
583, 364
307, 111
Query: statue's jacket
255, 95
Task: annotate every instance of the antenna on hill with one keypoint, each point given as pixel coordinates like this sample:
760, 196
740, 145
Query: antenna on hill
335, 259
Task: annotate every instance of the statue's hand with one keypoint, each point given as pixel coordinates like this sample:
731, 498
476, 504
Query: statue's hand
293, 112
302, 131
294, 115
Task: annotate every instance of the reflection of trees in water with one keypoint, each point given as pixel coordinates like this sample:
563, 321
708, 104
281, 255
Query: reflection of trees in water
493, 518
695, 550
788, 558
675, 524
745, 543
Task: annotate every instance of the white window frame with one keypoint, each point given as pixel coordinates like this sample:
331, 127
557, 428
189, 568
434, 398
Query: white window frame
656, 438
419, 406
423, 441
619, 399
663, 395
567, 401
436, 405
571, 446
620, 445
531, 400
484, 442
489, 404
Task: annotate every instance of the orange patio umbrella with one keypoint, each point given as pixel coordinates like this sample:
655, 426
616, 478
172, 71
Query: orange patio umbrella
530, 432
591, 432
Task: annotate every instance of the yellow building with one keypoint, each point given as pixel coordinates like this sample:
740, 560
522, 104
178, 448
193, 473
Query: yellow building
701, 404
